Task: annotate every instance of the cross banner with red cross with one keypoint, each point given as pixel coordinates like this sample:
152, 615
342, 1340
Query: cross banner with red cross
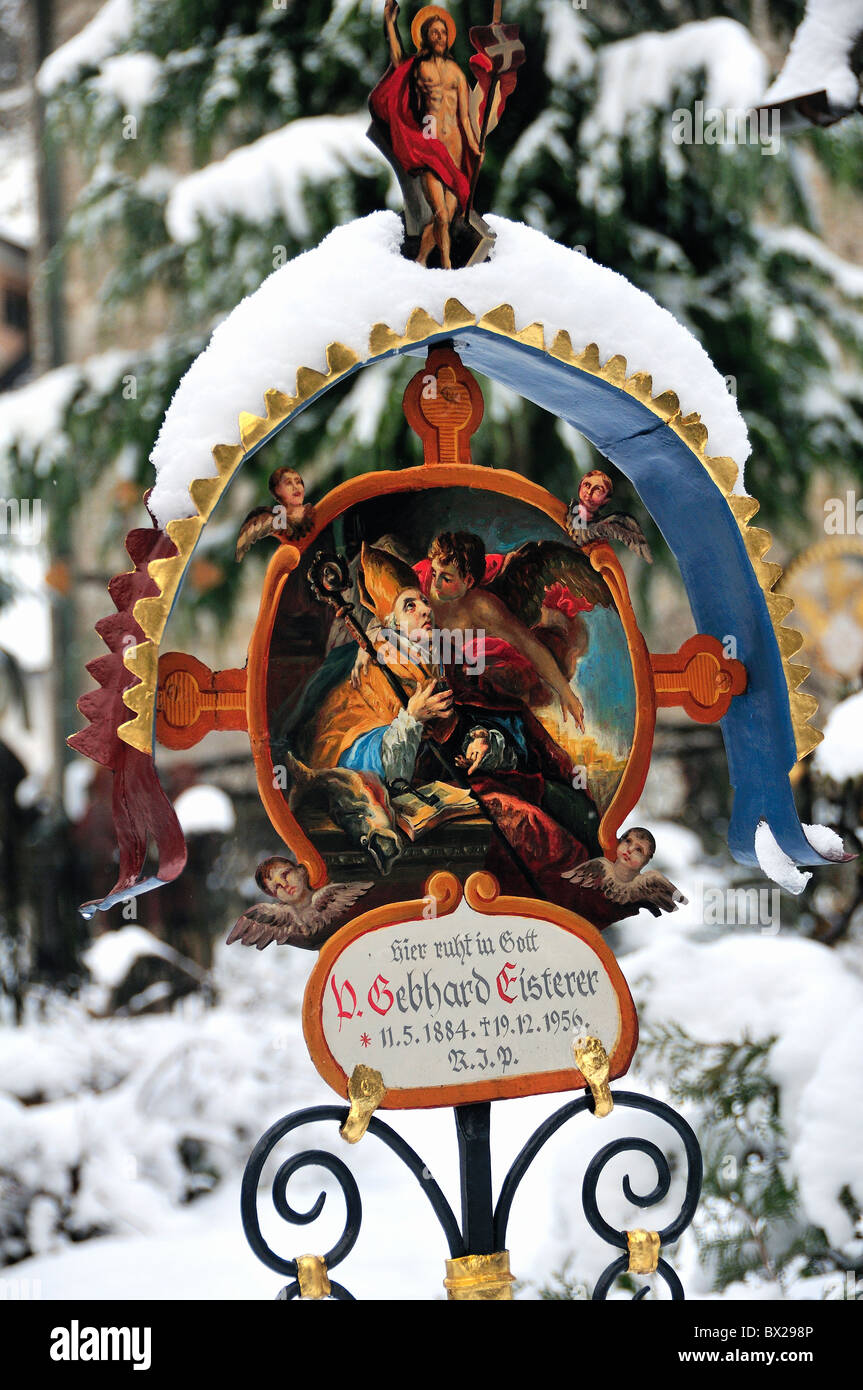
499, 55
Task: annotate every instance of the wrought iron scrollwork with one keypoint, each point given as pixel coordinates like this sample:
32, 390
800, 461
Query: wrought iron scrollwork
670, 1233
331, 1163
475, 1192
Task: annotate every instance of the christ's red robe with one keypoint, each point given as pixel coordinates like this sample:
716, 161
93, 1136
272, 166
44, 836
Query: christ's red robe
390, 102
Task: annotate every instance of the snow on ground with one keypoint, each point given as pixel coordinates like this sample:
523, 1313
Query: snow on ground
122, 1101
119, 1100
357, 277
820, 56
112, 954
261, 180
108, 27
758, 986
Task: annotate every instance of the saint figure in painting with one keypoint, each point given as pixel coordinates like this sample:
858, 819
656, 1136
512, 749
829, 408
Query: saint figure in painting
515, 768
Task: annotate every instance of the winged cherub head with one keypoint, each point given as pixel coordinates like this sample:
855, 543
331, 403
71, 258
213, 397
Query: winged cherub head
288, 488
457, 563
594, 490
635, 849
283, 880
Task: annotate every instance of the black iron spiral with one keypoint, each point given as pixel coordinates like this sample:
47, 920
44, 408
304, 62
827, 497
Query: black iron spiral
318, 1158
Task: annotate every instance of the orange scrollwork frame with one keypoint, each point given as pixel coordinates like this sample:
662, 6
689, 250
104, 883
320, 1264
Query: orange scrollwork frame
369, 485
481, 893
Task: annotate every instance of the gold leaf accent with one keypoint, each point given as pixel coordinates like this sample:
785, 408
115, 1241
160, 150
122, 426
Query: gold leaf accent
421, 325
592, 1061
768, 574
562, 348
780, 605
640, 385
588, 360
500, 320
790, 641
253, 429
205, 493
227, 458
744, 508
455, 315
758, 542
797, 674
479, 1279
643, 1249
692, 432
723, 471
532, 336
383, 340
366, 1090
312, 1276
667, 405
143, 662
808, 737
309, 383
278, 405
615, 370
340, 359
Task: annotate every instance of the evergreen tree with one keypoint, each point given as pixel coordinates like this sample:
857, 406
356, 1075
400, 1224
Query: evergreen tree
585, 156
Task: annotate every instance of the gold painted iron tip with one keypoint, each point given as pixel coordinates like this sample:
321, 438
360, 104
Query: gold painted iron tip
592, 1061
366, 1090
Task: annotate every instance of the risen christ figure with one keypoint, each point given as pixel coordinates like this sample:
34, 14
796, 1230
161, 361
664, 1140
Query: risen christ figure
424, 102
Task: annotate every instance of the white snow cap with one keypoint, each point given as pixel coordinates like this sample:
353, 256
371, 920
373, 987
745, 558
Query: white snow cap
131, 79
828, 844
268, 178
840, 756
775, 863
205, 810
111, 956
645, 70
18, 212
819, 57
357, 277
97, 40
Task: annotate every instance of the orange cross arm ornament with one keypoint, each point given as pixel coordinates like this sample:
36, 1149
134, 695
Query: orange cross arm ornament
700, 678
192, 700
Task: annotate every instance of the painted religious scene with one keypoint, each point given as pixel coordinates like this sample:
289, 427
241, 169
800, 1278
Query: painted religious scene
473, 706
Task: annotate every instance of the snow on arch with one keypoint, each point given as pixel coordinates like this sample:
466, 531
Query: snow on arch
357, 278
